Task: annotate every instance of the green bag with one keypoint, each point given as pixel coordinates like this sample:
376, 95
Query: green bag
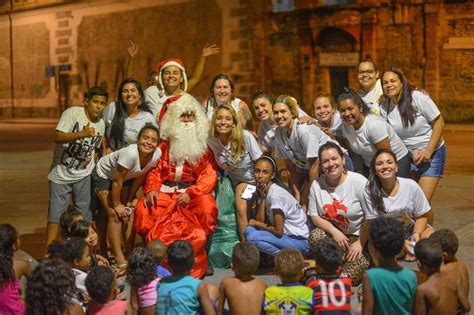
225, 236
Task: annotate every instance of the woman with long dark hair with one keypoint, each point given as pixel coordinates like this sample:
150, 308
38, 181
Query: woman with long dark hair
397, 197
126, 116
418, 122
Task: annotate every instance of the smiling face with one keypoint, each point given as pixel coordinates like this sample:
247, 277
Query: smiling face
332, 163
263, 109
392, 85
130, 95
172, 77
282, 115
148, 141
224, 122
367, 75
222, 91
95, 106
323, 110
385, 166
91, 238
264, 173
351, 113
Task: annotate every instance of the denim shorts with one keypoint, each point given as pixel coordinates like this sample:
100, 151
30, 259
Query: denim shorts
433, 168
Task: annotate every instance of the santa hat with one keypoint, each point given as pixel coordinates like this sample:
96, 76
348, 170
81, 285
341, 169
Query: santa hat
171, 62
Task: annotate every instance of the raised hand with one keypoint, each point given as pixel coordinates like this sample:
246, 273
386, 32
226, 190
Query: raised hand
210, 50
130, 47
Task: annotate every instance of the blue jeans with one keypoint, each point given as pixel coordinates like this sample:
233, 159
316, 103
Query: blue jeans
269, 243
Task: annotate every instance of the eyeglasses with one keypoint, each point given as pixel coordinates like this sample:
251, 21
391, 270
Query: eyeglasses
187, 115
369, 71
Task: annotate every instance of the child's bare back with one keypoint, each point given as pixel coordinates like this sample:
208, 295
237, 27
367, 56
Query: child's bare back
441, 294
244, 296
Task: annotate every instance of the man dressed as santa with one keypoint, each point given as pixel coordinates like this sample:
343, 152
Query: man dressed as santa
178, 204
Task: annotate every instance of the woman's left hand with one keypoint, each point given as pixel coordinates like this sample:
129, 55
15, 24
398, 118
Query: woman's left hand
355, 251
422, 156
101, 260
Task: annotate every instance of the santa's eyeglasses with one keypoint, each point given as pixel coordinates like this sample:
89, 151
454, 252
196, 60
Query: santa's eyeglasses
187, 115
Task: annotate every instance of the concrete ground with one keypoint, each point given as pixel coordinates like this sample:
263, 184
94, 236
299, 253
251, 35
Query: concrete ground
26, 152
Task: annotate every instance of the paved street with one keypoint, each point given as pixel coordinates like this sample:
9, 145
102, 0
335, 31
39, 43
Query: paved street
26, 151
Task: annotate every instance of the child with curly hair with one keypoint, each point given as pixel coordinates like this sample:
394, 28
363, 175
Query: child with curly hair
51, 290
66, 220
141, 274
103, 289
11, 270
289, 297
75, 252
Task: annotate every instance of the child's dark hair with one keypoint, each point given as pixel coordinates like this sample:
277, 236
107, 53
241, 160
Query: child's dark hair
73, 249
181, 256
50, 289
8, 238
79, 229
141, 268
374, 185
96, 91
428, 251
387, 236
350, 94
328, 255
245, 258
448, 240
99, 282
65, 221
158, 250
289, 263
55, 249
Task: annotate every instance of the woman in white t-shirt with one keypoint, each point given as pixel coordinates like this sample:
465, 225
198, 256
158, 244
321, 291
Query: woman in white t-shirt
235, 151
335, 207
368, 76
126, 116
262, 103
325, 112
418, 122
367, 133
397, 197
129, 163
222, 92
287, 227
298, 145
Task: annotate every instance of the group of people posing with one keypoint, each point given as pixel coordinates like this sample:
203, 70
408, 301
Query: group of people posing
374, 153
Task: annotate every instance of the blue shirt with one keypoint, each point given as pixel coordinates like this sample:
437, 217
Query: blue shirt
178, 295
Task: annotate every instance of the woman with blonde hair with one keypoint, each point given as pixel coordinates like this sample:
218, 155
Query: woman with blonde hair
298, 145
235, 151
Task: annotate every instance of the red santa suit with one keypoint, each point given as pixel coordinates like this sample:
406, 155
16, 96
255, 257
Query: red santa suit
169, 221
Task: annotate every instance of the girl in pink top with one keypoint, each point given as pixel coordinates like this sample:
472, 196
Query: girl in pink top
11, 270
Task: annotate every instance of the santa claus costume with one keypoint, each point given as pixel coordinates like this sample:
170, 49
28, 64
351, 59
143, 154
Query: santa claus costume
178, 204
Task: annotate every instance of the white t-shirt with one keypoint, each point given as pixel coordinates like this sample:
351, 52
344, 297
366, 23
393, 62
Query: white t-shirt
266, 133
295, 219
303, 144
133, 125
240, 170
211, 106
408, 204
373, 130
372, 97
155, 99
128, 158
339, 205
337, 124
74, 161
418, 135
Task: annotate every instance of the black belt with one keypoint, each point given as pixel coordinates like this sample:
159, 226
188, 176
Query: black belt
180, 185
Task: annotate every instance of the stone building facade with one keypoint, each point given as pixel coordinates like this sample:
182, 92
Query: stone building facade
314, 46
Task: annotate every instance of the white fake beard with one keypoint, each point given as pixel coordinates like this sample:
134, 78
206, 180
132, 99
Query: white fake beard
186, 145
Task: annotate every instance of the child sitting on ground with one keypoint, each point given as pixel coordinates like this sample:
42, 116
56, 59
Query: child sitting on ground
75, 252
193, 294
289, 297
441, 292
244, 292
103, 289
158, 250
450, 244
141, 274
50, 290
11, 270
85, 230
331, 286
387, 288
66, 220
